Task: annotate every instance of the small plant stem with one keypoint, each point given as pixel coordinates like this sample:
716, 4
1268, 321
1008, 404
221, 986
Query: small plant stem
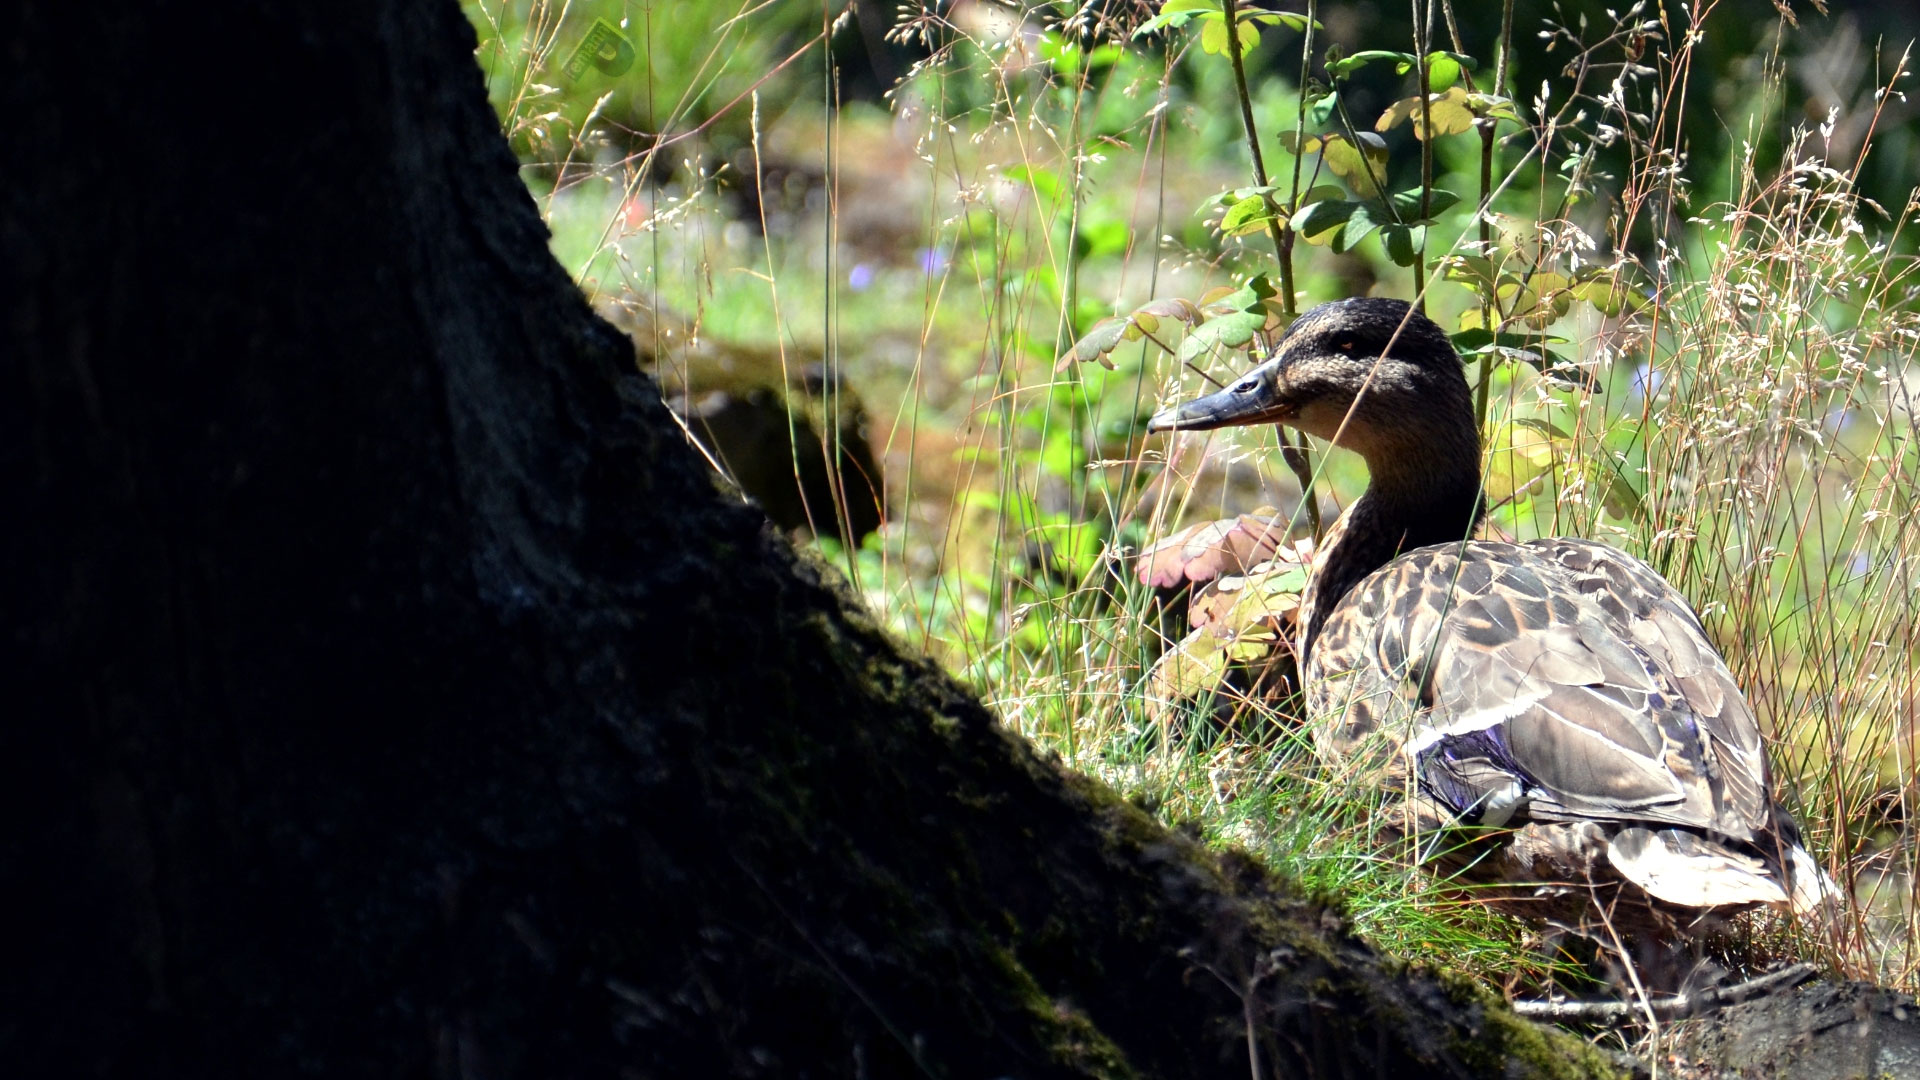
1299, 459
1079, 606
1422, 15
1453, 35
1298, 456
1299, 132
1188, 364
1486, 252
1253, 143
1488, 311
1500, 50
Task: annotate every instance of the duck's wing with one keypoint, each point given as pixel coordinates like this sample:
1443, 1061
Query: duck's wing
1558, 679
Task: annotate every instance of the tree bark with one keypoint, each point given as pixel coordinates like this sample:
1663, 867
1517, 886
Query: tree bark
395, 693
1820, 1031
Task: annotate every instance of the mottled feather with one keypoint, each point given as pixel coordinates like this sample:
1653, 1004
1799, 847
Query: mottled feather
1565, 682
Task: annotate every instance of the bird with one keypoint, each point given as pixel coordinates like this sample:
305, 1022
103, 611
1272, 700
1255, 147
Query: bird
1556, 700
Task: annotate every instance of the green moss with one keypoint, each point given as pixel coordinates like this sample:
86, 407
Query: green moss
1502, 1040
1070, 1038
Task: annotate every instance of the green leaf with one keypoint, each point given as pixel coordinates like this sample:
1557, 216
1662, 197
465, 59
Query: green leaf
1319, 109
1236, 316
1513, 462
1617, 494
1321, 192
1606, 292
1362, 165
1406, 203
1442, 71
1537, 301
1194, 666
1397, 113
1175, 13
1403, 242
1286, 581
1100, 339
1248, 296
1359, 226
1448, 111
1249, 215
1564, 371
1228, 198
1249, 36
1493, 106
1062, 53
1480, 337
1341, 69
1296, 144
1107, 334
1475, 271
1172, 307
1230, 331
1526, 349
1544, 427
1213, 33
1317, 221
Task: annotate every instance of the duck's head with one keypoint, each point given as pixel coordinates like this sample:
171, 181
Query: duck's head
1367, 374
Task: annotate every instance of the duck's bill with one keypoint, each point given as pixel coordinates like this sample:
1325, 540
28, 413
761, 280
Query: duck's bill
1228, 408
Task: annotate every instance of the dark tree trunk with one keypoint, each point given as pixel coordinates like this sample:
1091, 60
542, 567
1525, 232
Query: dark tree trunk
392, 692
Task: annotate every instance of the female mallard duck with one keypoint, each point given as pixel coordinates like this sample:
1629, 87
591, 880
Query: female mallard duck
1558, 690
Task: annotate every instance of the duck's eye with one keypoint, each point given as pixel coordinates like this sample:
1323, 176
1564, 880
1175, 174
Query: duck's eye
1344, 344
1246, 386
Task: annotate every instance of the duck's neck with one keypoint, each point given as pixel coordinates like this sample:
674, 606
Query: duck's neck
1419, 494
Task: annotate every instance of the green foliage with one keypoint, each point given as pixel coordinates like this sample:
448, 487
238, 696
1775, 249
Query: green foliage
554, 106
1212, 19
1235, 317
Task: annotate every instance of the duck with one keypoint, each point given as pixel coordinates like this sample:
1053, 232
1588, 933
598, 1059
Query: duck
1549, 718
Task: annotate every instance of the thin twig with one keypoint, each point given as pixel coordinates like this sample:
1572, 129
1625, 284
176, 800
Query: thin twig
1191, 366
1171, 351
1678, 1007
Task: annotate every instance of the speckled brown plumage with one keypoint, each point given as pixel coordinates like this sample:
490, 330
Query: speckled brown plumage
1556, 701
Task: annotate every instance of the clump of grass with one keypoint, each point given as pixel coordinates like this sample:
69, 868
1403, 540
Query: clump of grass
1777, 437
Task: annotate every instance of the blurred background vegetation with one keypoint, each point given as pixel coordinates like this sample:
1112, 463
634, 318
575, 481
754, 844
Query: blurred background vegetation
912, 278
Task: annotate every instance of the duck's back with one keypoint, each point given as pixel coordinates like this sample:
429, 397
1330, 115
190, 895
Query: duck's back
1559, 682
